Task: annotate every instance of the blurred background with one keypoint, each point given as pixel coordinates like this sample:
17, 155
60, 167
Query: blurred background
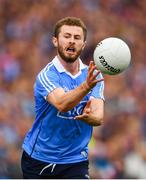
118, 148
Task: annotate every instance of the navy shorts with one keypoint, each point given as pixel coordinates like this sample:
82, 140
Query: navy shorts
35, 169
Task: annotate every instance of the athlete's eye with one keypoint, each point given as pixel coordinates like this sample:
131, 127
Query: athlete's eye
77, 37
67, 36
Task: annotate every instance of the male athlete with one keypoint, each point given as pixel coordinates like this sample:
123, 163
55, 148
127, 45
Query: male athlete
68, 103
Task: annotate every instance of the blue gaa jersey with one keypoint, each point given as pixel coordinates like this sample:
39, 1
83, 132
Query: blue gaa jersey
57, 137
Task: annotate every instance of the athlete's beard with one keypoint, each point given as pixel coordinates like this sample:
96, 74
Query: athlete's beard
68, 59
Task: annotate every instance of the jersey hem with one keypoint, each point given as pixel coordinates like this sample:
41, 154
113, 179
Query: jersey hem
59, 161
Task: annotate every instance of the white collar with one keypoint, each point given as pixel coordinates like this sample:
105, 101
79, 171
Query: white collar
60, 67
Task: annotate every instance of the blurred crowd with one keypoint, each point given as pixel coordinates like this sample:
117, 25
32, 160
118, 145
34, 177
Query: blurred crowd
118, 148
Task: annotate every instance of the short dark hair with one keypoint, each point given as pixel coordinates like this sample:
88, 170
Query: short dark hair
70, 21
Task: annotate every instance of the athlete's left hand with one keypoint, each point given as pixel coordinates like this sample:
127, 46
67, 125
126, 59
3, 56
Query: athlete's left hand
90, 115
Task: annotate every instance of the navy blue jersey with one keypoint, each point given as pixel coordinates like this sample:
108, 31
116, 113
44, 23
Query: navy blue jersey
56, 137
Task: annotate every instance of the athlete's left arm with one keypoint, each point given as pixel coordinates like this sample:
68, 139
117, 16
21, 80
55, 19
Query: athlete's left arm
93, 112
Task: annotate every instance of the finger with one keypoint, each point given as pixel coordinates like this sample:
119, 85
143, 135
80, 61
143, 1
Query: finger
96, 74
99, 80
77, 117
94, 82
83, 116
91, 68
96, 71
87, 110
88, 104
90, 65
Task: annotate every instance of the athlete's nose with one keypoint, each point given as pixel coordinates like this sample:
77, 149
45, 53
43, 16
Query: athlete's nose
72, 40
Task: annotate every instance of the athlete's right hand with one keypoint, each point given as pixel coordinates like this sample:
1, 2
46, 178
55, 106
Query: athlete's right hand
91, 79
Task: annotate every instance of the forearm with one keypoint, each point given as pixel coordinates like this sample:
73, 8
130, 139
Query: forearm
71, 98
65, 101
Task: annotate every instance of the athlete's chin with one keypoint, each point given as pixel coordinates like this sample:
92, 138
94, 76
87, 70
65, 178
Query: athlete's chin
70, 58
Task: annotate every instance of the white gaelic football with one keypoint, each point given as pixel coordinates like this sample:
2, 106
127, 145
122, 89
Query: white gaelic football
112, 56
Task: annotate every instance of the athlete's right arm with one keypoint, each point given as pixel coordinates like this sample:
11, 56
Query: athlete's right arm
65, 101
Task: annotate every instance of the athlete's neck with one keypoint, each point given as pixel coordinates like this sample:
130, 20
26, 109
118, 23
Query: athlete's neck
73, 68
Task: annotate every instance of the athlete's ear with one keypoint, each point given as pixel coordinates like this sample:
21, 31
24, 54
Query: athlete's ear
54, 40
84, 45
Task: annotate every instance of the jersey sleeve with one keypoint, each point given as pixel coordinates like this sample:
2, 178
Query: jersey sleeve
46, 82
98, 90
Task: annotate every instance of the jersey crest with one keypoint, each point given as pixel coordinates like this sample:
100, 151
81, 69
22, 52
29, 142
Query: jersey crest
77, 110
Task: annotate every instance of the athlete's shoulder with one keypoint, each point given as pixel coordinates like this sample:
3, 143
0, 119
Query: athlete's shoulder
47, 80
48, 67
